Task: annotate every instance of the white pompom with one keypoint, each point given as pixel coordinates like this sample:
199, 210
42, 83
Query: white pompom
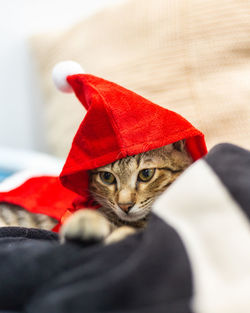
61, 71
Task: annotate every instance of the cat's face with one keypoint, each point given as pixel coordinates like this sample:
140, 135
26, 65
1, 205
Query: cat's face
127, 188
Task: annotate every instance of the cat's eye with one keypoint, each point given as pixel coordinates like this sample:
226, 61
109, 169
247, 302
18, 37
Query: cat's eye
107, 178
146, 174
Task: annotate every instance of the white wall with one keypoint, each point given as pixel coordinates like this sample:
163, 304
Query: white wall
21, 117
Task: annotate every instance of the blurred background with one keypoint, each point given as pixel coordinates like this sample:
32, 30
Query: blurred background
190, 56
21, 99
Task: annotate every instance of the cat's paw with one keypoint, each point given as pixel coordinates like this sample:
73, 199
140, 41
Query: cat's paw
119, 234
85, 225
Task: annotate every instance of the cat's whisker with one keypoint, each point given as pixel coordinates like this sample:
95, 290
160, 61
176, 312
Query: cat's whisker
147, 205
146, 200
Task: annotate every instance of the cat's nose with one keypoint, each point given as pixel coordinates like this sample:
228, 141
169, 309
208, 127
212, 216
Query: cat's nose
126, 207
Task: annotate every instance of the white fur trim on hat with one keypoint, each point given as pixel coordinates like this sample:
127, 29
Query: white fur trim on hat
61, 71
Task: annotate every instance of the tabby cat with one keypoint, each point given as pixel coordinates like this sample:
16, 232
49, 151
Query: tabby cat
125, 189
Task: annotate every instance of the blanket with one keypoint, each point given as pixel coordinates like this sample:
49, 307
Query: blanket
193, 256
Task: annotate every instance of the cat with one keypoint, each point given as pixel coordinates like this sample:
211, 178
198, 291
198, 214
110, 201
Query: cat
13, 215
126, 190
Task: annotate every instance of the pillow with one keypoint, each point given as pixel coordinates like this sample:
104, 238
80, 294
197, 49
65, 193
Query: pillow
188, 56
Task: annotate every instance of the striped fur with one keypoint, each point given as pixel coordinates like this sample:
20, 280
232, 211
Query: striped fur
11, 215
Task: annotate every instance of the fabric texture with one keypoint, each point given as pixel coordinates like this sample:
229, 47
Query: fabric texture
214, 229
190, 56
136, 275
232, 165
150, 271
43, 194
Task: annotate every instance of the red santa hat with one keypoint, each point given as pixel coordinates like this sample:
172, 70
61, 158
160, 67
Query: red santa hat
118, 123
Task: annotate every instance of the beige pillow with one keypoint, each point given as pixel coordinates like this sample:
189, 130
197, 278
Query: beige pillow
190, 56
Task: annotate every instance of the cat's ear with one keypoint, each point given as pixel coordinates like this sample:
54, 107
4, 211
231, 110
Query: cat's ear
180, 145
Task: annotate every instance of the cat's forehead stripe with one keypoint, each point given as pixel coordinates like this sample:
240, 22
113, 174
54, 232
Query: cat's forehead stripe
124, 163
148, 161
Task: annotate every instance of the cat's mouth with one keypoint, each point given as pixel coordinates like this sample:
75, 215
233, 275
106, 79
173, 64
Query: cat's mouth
135, 214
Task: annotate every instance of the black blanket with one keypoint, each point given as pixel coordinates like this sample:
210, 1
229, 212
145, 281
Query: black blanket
151, 271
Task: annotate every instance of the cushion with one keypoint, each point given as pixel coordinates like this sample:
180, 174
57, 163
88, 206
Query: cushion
188, 56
